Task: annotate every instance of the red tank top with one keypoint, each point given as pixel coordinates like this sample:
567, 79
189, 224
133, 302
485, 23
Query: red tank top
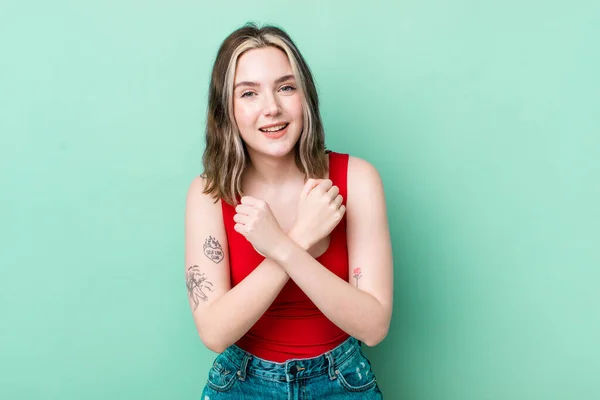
292, 327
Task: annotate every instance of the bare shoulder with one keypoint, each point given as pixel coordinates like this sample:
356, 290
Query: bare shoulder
359, 169
196, 198
364, 180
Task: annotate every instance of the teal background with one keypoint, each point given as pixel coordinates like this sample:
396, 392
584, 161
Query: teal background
482, 118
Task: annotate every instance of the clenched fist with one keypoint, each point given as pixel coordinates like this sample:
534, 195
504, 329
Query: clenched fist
320, 209
255, 220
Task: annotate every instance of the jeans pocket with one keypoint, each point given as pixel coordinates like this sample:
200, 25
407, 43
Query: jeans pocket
355, 374
222, 375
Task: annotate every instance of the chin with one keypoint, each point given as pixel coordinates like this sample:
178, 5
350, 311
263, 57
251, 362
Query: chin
277, 149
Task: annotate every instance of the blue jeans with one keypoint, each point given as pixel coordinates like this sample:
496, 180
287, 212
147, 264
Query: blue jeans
339, 374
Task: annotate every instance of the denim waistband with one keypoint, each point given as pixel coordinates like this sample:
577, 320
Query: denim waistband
293, 369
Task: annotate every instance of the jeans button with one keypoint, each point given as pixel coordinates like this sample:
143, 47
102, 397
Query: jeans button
293, 370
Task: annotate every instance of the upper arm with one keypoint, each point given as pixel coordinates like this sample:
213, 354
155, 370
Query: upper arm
367, 231
206, 251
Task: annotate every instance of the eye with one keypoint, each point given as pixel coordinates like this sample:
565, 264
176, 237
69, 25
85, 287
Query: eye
288, 88
247, 94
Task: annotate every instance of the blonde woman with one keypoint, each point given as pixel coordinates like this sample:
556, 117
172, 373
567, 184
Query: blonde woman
288, 253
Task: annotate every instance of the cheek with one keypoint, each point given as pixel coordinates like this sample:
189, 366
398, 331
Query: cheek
295, 107
244, 114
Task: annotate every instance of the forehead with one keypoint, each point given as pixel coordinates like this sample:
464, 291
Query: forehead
262, 65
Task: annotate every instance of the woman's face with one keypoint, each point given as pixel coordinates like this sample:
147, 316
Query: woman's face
267, 104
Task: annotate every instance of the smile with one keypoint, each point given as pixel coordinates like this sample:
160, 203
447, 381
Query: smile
275, 132
274, 128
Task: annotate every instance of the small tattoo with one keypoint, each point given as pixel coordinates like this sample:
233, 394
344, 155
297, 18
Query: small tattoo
357, 274
213, 250
196, 282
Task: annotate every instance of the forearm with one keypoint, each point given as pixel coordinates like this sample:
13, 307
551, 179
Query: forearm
232, 315
235, 312
354, 311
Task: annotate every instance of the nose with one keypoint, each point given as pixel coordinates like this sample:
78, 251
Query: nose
271, 105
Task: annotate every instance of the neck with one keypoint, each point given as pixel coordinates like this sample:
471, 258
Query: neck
272, 171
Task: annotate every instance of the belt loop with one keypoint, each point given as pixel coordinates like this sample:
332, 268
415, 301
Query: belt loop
244, 366
331, 368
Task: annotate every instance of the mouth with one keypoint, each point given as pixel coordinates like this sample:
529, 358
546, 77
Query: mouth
274, 128
275, 131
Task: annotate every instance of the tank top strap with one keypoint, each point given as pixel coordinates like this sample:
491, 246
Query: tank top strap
338, 172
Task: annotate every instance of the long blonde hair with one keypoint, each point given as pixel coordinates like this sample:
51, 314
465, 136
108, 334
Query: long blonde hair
225, 156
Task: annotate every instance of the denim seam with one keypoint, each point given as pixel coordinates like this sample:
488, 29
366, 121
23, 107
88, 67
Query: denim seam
223, 388
342, 361
234, 361
244, 367
343, 381
351, 388
269, 378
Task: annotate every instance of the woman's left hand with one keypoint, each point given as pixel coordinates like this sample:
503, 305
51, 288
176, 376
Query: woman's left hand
255, 220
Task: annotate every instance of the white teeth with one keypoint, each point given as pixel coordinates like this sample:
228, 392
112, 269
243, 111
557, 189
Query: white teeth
274, 128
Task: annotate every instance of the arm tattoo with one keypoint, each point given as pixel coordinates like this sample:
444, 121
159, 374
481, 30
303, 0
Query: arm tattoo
357, 274
213, 250
196, 282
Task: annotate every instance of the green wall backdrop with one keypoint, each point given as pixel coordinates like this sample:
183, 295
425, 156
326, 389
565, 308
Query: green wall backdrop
482, 118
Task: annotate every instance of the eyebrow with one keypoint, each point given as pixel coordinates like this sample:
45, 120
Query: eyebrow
254, 84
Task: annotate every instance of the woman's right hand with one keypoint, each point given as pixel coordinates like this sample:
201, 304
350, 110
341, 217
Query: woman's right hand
320, 209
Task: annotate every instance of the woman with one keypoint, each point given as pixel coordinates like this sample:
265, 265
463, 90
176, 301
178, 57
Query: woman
283, 282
